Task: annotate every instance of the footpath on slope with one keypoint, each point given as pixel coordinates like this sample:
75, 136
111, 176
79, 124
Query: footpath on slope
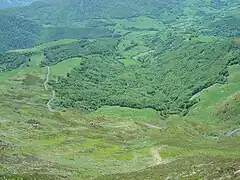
156, 156
157, 159
46, 88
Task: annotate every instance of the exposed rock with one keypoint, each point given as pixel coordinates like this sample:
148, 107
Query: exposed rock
90, 150
237, 172
33, 122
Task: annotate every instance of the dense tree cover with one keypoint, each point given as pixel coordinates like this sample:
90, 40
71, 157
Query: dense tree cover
63, 32
43, 21
75, 12
81, 48
17, 32
228, 26
47, 20
61, 12
9, 61
160, 67
164, 82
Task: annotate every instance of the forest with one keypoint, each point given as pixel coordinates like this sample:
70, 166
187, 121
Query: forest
109, 89
81, 48
27, 26
165, 80
17, 32
105, 80
10, 61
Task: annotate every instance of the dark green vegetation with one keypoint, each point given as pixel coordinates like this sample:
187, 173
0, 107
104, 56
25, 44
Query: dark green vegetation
9, 61
57, 19
17, 32
56, 54
164, 79
143, 90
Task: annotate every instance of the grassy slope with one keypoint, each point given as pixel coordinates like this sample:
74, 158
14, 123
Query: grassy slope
219, 101
195, 154
43, 132
44, 21
40, 144
64, 67
163, 73
112, 137
127, 113
200, 156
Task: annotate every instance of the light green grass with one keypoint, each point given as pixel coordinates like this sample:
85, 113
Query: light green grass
234, 72
60, 69
129, 113
141, 22
128, 62
205, 109
189, 12
21, 72
36, 60
137, 39
64, 67
204, 38
117, 136
112, 142
171, 152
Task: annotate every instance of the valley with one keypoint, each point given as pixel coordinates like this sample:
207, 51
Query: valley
151, 92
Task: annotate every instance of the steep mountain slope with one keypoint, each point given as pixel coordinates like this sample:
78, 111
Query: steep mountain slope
17, 32
76, 11
36, 143
217, 110
56, 17
120, 90
107, 81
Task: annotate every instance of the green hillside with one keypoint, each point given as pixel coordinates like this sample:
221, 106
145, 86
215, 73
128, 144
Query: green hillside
120, 90
44, 21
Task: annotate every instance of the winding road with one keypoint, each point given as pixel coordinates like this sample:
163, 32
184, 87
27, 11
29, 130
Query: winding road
157, 159
49, 102
156, 156
147, 124
233, 132
152, 126
46, 88
47, 78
